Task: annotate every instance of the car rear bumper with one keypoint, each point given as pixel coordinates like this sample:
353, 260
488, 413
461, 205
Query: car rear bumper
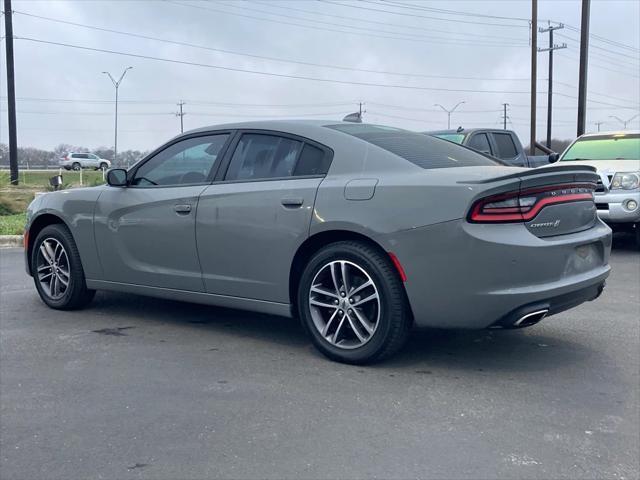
613, 206
463, 275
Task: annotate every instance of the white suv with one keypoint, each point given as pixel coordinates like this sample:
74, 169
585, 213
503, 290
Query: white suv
76, 161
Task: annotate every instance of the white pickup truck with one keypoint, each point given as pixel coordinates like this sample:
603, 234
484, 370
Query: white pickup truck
616, 156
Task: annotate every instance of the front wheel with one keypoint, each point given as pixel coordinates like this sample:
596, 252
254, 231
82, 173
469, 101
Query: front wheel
57, 269
103, 166
351, 301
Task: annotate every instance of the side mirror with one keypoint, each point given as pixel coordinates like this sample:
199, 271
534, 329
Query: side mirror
554, 157
117, 177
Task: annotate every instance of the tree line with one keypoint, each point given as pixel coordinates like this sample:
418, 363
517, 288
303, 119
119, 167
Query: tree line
30, 157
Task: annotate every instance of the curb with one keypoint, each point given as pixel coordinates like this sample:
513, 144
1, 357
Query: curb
10, 241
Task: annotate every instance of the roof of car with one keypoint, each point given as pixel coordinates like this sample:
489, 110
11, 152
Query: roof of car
465, 131
271, 125
617, 133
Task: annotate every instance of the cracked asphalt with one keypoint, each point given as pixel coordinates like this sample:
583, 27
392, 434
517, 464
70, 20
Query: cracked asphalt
135, 387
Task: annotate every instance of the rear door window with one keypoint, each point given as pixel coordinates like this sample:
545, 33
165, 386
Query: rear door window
480, 142
423, 150
259, 156
506, 148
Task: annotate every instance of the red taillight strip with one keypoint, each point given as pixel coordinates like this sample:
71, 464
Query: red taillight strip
523, 214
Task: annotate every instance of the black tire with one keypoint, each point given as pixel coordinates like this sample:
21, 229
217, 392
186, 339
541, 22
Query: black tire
394, 319
103, 166
76, 294
76, 166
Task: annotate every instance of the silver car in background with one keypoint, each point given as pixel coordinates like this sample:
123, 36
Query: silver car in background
362, 231
77, 161
616, 156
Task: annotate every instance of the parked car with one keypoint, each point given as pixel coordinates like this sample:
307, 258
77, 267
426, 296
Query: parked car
76, 161
362, 231
502, 144
616, 156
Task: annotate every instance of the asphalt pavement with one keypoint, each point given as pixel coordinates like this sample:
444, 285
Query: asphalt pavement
135, 387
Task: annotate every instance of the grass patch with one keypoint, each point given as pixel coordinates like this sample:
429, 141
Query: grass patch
12, 224
40, 178
14, 199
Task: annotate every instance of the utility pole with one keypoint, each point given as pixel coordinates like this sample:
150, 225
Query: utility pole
11, 93
552, 47
598, 124
534, 74
449, 112
181, 114
624, 122
504, 115
584, 60
116, 85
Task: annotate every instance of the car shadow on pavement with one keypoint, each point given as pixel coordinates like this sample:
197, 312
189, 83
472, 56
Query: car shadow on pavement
531, 349
624, 242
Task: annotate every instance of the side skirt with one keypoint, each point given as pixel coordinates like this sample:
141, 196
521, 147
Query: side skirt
262, 306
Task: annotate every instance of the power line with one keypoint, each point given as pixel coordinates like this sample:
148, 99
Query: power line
411, 27
414, 15
265, 73
262, 57
359, 33
605, 39
445, 11
192, 102
625, 55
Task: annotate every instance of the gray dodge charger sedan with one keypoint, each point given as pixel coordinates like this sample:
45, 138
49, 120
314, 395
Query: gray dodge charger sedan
362, 231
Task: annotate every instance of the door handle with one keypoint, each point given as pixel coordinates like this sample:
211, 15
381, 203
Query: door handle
182, 208
292, 202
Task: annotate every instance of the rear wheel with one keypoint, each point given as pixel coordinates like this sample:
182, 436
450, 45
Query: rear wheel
57, 270
76, 166
351, 301
103, 166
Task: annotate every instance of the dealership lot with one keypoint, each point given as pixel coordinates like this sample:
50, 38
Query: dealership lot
136, 387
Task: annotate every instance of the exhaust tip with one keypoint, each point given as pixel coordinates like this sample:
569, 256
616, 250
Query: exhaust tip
531, 318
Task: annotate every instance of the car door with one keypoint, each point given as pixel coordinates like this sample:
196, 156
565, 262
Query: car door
480, 142
251, 221
92, 160
507, 150
145, 232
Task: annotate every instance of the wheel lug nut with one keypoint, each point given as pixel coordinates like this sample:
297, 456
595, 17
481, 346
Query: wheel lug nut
336, 302
342, 294
351, 300
340, 312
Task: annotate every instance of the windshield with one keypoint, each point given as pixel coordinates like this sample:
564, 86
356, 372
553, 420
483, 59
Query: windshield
452, 137
422, 150
605, 147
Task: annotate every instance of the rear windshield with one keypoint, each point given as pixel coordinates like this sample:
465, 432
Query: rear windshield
452, 137
420, 149
605, 147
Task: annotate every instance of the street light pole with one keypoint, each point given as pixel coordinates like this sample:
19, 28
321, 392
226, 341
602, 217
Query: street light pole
116, 84
449, 112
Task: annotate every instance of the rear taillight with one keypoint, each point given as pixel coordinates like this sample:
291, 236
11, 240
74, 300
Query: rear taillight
524, 205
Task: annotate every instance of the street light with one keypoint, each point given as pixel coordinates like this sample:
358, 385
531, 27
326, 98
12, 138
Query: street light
449, 112
116, 84
625, 122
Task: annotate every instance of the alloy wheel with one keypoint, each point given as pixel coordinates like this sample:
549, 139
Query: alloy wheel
53, 268
344, 304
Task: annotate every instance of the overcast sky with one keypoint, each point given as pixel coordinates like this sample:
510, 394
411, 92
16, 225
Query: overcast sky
64, 98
